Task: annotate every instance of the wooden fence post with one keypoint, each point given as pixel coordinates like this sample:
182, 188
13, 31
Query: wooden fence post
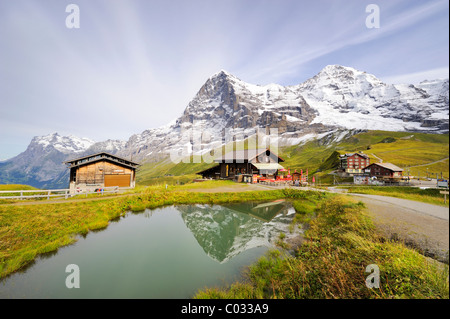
445, 196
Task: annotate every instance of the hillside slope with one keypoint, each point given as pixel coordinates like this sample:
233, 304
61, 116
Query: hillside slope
400, 148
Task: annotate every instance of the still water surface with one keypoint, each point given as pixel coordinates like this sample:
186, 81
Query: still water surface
169, 252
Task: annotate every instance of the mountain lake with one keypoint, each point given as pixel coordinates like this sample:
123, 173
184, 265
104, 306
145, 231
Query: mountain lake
164, 253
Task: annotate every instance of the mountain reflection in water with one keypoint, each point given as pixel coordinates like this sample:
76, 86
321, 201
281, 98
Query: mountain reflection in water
227, 230
168, 252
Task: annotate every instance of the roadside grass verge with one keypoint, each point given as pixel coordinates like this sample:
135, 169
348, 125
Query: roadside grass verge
430, 195
340, 243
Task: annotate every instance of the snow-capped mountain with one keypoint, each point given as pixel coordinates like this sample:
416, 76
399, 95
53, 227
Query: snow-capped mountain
41, 165
64, 144
226, 105
338, 99
110, 146
349, 98
224, 232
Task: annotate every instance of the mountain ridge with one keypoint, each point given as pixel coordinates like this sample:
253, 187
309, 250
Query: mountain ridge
337, 98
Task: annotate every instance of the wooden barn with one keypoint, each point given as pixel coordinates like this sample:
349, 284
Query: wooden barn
101, 170
244, 162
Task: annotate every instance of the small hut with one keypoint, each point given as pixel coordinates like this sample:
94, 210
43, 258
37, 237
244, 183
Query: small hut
101, 170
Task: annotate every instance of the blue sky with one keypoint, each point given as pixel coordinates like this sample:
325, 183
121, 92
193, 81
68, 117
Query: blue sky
134, 65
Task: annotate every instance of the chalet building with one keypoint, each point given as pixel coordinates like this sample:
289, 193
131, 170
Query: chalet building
245, 162
384, 171
354, 163
101, 170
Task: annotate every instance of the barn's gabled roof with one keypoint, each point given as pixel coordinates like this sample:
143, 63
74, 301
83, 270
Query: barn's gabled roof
100, 157
389, 166
208, 170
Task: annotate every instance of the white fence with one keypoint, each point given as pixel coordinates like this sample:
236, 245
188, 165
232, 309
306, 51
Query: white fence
51, 193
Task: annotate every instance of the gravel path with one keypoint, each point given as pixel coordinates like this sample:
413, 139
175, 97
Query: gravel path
440, 212
423, 226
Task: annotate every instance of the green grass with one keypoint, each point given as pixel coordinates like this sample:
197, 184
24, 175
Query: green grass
340, 243
431, 196
211, 184
406, 149
403, 150
431, 171
165, 171
16, 187
169, 180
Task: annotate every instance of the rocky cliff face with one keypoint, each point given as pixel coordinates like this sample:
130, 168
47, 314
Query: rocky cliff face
350, 98
224, 232
337, 99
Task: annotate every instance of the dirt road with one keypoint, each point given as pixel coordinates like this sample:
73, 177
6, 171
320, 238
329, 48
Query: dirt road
423, 226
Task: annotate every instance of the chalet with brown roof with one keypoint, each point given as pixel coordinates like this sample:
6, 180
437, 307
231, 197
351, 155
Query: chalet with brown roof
385, 171
257, 161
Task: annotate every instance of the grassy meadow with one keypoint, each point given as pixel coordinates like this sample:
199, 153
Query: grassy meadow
403, 149
16, 187
400, 148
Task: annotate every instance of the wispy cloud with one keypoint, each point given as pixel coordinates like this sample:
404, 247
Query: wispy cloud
351, 34
417, 77
136, 64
